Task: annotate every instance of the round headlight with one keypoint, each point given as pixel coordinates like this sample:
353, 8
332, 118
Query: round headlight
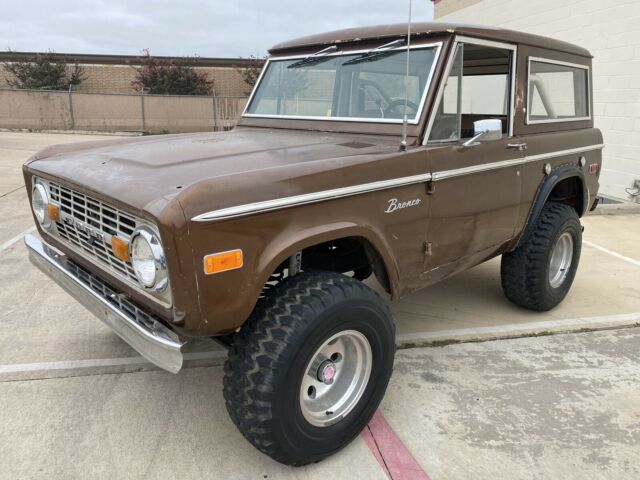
147, 259
39, 202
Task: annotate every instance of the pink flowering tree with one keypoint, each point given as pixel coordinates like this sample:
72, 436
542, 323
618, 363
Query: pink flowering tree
170, 77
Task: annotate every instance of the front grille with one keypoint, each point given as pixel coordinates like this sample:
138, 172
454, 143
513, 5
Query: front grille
111, 295
87, 224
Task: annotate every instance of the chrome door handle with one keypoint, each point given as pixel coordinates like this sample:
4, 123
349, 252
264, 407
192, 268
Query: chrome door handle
517, 146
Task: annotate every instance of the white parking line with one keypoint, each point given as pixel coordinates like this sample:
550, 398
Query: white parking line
15, 239
632, 261
625, 319
99, 362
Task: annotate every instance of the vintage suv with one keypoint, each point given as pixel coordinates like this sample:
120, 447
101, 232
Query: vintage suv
262, 236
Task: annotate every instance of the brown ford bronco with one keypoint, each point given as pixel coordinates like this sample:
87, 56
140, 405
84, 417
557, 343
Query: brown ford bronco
261, 237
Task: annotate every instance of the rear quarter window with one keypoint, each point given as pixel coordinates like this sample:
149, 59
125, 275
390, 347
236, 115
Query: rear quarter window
558, 92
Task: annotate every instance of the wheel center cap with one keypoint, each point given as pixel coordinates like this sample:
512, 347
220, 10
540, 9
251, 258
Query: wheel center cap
327, 371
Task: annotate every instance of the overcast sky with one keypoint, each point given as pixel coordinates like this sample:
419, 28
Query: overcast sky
213, 28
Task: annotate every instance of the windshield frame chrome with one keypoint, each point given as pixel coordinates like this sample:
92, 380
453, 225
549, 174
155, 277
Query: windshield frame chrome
398, 121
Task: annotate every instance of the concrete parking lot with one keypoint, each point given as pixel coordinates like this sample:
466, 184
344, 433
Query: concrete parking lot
76, 402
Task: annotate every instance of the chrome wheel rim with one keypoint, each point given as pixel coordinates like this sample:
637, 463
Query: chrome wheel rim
561, 258
335, 378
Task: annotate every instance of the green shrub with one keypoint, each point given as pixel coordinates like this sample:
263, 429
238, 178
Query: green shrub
251, 72
170, 77
43, 71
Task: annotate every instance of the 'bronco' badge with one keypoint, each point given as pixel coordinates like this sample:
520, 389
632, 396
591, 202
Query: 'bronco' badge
394, 204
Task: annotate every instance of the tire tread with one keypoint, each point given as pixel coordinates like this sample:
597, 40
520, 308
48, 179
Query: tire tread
523, 271
258, 350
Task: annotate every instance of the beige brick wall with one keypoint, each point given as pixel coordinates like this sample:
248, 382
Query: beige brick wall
118, 78
3, 77
610, 29
107, 79
228, 82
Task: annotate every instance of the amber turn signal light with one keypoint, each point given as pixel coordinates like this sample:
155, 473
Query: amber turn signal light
223, 261
120, 249
54, 212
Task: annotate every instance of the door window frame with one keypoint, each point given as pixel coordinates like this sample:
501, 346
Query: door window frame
461, 39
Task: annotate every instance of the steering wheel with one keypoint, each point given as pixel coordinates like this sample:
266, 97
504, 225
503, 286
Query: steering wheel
399, 102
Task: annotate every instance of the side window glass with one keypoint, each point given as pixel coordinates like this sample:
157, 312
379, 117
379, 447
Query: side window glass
478, 88
557, 92
446, 126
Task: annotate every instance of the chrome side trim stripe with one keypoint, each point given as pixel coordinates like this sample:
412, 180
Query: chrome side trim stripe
510, 163
560, 153
278, 203
477, 168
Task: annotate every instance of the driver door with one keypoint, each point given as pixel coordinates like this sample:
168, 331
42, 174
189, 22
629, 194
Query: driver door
476, 188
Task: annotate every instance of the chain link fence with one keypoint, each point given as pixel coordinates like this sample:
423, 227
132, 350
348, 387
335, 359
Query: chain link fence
113, 112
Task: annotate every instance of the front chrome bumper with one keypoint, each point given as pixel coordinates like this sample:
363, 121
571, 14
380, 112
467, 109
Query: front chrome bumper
156, 343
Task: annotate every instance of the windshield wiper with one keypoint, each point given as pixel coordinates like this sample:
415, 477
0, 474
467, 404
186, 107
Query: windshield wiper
316, 58
376, 53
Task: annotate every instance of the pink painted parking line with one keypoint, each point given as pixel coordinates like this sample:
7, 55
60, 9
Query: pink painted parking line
391, 453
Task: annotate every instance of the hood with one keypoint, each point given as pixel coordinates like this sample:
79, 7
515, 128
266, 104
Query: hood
138, 171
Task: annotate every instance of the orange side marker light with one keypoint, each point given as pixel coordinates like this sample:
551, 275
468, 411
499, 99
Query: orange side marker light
54, 212
223, 261
120, 249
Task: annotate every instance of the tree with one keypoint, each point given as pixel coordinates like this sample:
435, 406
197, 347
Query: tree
251, 72
170, 77
43, 71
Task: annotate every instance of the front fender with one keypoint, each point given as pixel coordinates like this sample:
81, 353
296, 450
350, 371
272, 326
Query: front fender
227, 300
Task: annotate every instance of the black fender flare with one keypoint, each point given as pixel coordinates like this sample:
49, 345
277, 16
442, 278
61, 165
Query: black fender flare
559, 173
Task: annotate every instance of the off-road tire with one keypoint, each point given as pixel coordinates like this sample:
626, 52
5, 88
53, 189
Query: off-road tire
525, 271
266, 363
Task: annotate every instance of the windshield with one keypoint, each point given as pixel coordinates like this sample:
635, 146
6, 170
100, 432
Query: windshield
361, 86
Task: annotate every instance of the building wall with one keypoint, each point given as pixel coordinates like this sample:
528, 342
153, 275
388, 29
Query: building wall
445, 7
610, 29
117, 79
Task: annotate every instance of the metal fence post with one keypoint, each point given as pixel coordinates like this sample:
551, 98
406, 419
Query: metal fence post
144, 127
215, 112
71, 115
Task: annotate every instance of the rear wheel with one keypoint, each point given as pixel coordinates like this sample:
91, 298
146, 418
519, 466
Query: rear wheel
539, 273
310, 367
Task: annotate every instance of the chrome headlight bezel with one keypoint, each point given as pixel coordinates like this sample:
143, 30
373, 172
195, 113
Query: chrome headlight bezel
40, 190
161, 278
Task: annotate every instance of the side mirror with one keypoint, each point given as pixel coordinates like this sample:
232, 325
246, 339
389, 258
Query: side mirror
487, 130
492, 129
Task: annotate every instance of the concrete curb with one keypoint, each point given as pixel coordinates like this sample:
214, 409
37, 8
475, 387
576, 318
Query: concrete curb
73, 132
624, 208
217, 356
504, 332
103, 366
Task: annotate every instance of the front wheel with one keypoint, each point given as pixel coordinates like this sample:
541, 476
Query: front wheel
540, 272
310, 367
